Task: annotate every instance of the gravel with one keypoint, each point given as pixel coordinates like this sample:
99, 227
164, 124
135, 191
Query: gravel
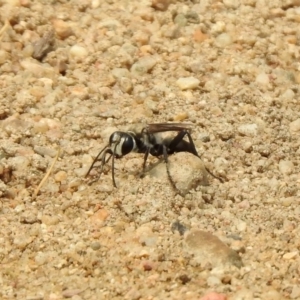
73, 72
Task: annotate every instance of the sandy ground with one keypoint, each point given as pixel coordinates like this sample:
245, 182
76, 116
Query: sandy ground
73, 72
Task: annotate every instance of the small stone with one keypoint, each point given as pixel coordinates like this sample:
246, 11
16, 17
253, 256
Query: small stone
126, 85
286, 167
45, 151
62, 28
188, 83
223, 40
60, 176
241, 226
180, 20
271, 294
288, 95
78, 52
29, 217
191, 174
295, 127
295, 294
50, 220
248, 129
199, 36
231, 3
277, 12
213, 281
207, 248
71, 292
95, 246
43, 46
120, 72
99, 217
181, 116
286, 202
290, 255
192, 17
143, 65
262, 79
160, 4
21, 241
242, 294
38, 69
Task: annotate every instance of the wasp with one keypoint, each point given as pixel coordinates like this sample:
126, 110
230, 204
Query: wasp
148, 141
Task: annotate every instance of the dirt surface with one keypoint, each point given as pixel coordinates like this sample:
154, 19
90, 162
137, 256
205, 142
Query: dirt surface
73, 72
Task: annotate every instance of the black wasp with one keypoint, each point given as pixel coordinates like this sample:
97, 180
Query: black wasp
148, 142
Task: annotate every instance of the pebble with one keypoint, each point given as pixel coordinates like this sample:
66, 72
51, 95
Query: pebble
95, 246
50, 220
99, 217
21, 241
213, 281
242, 294
71, 292
295, 127
126, 85
45, 151
62, 28
191, 174
271, 294
295, 294
290, 255
120, 72
248, 129
188, 83
60, 176
231, 3
286, 167
262, 79
223, 40
160, 4
78, 53
143, 66
207, 248
37, 69
241, 225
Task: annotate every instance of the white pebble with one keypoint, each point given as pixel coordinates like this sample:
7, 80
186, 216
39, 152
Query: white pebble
290, 255
286, 167
262, 79
143, 65
288, 95
241, 225
213, 281
223, 40
231, 3
295, 126
187, 83
78, 52
248, 129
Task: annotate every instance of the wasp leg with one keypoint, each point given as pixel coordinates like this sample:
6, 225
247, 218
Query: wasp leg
165, 154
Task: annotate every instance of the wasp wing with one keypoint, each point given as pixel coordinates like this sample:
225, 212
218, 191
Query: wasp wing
163, 127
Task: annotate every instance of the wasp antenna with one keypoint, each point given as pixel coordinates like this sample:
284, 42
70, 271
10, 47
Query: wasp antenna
113, 166
95, 160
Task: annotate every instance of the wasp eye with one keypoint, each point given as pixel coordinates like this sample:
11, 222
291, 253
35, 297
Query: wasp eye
127, 145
